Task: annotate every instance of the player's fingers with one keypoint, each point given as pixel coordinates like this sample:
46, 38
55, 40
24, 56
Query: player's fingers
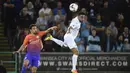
55, 27
14, 52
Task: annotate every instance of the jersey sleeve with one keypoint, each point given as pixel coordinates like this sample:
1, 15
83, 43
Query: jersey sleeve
41, 33
26, 40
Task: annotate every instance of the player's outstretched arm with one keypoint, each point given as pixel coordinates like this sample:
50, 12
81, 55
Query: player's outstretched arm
24, 45
20, 49
50, 29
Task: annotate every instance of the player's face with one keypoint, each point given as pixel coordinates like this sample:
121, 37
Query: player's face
81, 18
34, 30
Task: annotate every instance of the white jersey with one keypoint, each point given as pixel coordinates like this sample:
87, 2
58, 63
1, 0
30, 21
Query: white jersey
75, 27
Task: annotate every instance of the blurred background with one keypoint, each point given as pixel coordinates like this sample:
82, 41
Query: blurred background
110, 18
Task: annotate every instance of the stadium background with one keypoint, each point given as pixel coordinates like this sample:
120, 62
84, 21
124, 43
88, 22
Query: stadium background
101, 14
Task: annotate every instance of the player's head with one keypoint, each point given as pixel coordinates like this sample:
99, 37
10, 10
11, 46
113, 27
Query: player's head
33, 29
81, 16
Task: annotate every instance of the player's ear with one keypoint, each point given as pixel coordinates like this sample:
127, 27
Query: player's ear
30, 31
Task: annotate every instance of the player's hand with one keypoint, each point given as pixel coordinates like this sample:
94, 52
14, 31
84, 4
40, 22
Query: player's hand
54, 28
16, 52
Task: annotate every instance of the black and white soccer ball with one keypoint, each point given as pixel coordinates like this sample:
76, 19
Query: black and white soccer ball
73, 7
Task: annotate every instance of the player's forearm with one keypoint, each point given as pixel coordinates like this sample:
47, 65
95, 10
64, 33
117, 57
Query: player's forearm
21, 48
51, 29
48, 30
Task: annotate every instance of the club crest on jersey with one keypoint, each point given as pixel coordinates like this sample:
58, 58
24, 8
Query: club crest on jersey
30, 40
38, 37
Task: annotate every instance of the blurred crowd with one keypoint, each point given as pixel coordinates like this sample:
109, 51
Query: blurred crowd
105, 29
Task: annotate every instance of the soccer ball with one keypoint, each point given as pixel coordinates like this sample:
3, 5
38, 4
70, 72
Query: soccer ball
73, 7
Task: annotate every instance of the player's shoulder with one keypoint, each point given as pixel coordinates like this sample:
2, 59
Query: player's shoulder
41, 32
75, 20
28, 35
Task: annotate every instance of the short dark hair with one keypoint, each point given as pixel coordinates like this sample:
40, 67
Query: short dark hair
32, 25
93, 29
81, 13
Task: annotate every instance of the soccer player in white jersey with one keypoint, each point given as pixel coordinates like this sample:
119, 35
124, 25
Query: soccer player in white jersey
69, 38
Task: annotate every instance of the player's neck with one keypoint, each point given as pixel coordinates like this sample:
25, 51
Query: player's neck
78, 19
33, 34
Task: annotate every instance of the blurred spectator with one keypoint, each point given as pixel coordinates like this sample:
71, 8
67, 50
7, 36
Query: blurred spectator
47, 14
59, 7
59, 15
114, 33
92, 10
59, 33
99, 28
80, 43
31, 10
120, 21
98, 22
41, 22
25, 32
113, 29
37, 6
17, 39
120, 43
93, 42
24, 2
55, 33
92, 13
25, 19
108, 42
126, 46
85, 31
126, 33
60, 19
120, 17
84, 10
